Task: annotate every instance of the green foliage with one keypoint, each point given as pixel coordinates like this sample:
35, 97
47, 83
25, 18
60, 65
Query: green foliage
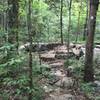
15, 80
88, 89
97, 67
45, 28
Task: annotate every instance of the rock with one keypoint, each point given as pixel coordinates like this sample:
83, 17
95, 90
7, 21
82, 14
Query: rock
39, 46
47, 46
58, 91
47, 89
78, 52
58, 73
96, 51
80, 97
53, 80
61, 51
97, 83
72, 45
51, 46
61, 97
70, 71
56, 64
66, 82
61, 56
98, 46
59, 83
61, 47
64, 54
47, 57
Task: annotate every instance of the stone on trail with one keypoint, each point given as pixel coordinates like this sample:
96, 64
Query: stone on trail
47, 57
78, 52
57, 76
62, 50
63, 47
61, 97
48, 89
59, 73
53, 80
97, 83
66, 82
61, 56
98, 46
57, 64
64, 56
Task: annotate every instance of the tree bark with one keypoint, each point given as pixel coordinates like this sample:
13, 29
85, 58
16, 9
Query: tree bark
61, 21
69, 28
78, 24
86, 22
89, 71
30, 47
13, 23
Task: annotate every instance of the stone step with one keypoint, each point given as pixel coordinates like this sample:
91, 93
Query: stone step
61, 56
58, 73
61, 97
65, 82
64, 56
47, 57
56, 64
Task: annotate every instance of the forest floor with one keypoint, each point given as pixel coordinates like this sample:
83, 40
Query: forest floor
63, 85
61, 81
60, 78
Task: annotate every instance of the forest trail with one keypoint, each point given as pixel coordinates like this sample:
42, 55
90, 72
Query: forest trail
61, 86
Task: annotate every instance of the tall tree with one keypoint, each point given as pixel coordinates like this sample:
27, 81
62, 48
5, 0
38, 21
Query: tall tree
78, 24
86, 21
61, 21
89, 72
13, 6
69, 27
30, 46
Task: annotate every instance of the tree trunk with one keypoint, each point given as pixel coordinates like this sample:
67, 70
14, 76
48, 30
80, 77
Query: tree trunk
13, 23
78, 24
69, 28
89, 72
86, 22
61, 22
30, 47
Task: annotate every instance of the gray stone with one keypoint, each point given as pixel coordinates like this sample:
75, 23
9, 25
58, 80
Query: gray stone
97, 83
65, 82
61, 97
47, 89
61, 56
56, 64
58, 73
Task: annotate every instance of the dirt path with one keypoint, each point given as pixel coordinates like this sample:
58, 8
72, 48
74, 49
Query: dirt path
60, 87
